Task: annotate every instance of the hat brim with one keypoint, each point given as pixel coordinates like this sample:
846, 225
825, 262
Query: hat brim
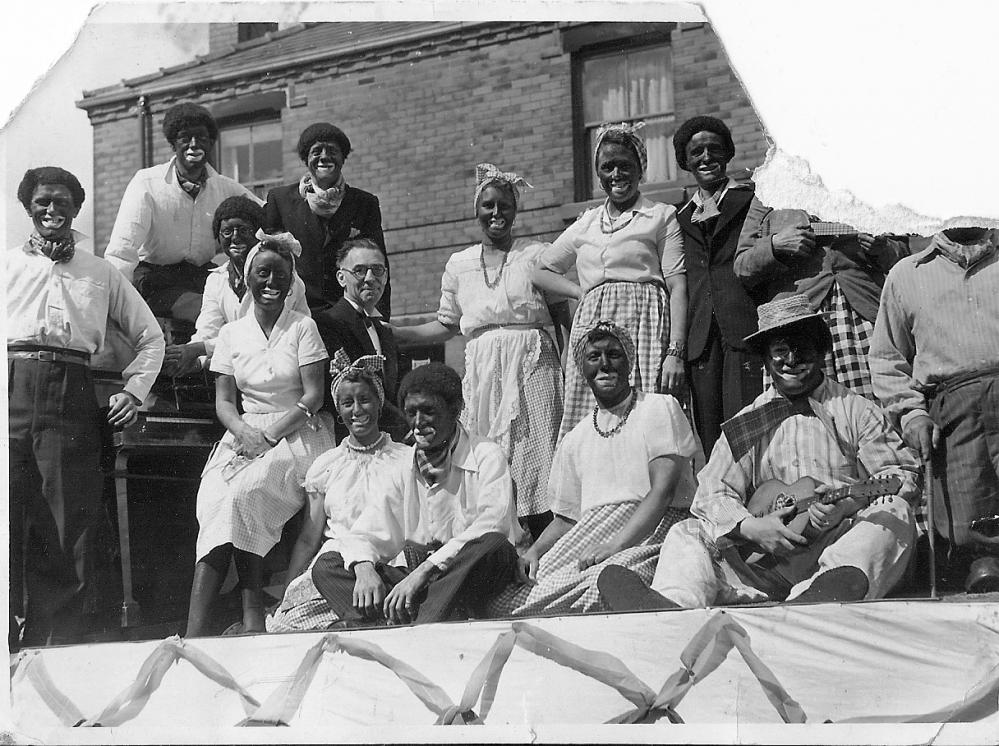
759, 337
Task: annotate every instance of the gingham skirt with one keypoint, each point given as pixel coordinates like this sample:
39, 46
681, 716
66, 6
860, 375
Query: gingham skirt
513, 395
851, 341
250, 509
302, 608
639, 307
562, 587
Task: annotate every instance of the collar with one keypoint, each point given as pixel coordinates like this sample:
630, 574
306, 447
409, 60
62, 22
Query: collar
171, 172
939, 244
462, 455
376, 314
643, 206
697, 200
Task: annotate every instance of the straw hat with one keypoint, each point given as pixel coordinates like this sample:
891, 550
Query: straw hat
782, 314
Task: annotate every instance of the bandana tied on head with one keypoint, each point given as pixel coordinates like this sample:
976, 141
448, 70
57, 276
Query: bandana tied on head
608, 326
282, 239
58, 251
629, 133
322, 202
487, 173
341, 365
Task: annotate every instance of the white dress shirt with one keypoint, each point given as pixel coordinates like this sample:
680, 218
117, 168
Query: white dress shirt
69, 304
475, 498
159, 223
369, 327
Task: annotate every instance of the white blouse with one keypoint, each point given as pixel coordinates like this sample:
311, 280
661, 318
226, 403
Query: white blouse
346, 479
469, 303
589, 470
267, 370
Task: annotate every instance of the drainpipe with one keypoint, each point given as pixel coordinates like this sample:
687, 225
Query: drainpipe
145, 141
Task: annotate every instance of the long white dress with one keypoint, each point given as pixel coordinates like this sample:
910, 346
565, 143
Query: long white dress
250, 508
513, 381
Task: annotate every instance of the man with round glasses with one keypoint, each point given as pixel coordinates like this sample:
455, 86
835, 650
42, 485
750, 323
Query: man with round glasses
355, 324
162, 239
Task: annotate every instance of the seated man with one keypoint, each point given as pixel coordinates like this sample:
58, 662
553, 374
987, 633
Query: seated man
162, 239
60, 300
355, 324
449, 509
805, 426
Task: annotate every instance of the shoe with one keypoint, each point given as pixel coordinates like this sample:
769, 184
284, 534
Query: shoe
623, 590
983, 576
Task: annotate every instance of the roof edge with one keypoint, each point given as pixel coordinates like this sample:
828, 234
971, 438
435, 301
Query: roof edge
144, 85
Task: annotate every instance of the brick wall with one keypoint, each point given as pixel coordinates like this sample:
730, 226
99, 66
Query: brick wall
419, 121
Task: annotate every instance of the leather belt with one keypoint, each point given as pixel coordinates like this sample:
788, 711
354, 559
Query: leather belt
49, 355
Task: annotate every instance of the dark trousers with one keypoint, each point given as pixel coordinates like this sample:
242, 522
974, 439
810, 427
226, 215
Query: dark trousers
722, 381
483, 568
966, 466
162, 285
55, 496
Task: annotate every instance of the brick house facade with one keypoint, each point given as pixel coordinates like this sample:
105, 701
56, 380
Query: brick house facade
421, 103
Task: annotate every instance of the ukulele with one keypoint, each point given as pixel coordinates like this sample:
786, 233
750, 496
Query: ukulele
774, 495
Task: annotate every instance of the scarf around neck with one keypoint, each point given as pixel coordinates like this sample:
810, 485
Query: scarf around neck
59, 252
322, 202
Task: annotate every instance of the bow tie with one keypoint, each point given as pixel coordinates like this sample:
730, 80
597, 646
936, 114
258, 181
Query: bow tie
368, 321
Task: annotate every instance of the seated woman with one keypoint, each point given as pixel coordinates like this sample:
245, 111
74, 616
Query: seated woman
271, 362
620, 479
513, 380
339, 485
322, 211
237, 221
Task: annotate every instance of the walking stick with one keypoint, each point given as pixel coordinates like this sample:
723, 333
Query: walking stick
931, 532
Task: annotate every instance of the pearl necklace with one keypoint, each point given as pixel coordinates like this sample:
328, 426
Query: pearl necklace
365, 449
491, 284
624, 418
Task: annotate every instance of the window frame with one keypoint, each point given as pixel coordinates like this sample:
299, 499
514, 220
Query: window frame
583, 171
259, 188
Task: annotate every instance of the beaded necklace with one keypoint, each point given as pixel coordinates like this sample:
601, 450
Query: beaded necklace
624, 418
491, 284
365, 449
608, 224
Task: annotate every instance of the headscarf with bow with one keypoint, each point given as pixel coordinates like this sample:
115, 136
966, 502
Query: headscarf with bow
487, 173
628, 134
608, 326
341, 365
285, 240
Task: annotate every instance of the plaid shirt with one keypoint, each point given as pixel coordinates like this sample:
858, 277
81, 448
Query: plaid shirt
847, 440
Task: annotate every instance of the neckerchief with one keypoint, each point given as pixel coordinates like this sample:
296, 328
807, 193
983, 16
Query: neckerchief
322, 202
59, 252
965, 255
193, 188
745, 430
434, 465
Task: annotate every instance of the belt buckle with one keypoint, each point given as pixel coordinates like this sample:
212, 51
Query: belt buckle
46, 356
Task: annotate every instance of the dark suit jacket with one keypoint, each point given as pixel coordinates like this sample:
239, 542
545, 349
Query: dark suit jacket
359, 213
713, 290
341, 325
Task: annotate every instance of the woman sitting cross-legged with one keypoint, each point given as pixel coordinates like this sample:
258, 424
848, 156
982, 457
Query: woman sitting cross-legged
340, 484
620, 479
272, 361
